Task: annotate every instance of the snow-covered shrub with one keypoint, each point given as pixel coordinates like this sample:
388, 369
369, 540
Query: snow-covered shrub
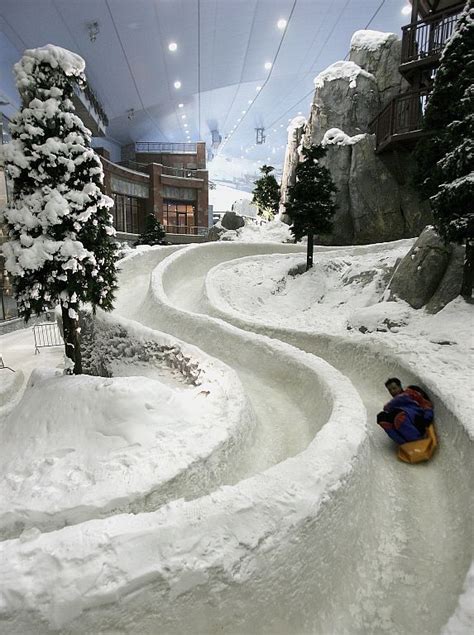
60, 246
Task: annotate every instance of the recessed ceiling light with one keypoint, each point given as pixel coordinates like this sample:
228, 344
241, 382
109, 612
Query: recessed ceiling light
243, 112
249, 101
258, 88
268, 65
172, 46
300, 113
180, 105
406, 10
274, 130
185, 125
281, 125
240, 119
281, 24
177, 84
183, 116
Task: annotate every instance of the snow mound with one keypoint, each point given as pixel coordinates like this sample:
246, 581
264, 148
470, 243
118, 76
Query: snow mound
371, 40
295, 123
341, 70
93, 446
268, 232
335, 136
385, 316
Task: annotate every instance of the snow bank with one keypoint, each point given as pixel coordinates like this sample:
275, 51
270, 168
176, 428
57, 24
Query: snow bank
385, 316
295, 123
137, 444
335, 136
371, 40
274, 231
341, 70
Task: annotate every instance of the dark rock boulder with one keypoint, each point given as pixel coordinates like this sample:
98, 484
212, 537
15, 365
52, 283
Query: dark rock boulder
450, 285
231, 220
419, 274
215, 232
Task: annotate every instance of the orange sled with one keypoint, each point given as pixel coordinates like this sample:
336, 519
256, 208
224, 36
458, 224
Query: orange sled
418, 451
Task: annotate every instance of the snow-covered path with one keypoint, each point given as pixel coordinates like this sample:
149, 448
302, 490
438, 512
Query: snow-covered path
416, 544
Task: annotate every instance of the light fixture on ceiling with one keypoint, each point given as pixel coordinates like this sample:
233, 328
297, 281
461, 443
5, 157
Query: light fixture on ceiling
94, 30
185, 125
183, 116
249, 101
177, 84
267, 66
300, 113
172, 46
258, 89
406, 10
131, 113
281, 24
243, 112
180, 105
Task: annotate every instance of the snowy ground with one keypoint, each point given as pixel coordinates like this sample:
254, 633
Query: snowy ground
321, 530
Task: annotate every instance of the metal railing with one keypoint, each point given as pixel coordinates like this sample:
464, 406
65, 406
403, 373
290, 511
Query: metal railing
133, 165
187, 173
424, 40
47, 334
192, 230
159, 146
404, 114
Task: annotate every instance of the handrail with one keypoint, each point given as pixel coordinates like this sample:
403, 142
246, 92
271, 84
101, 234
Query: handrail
189, 230
160, 146
403, 114
181, 172
425, 39
436, 16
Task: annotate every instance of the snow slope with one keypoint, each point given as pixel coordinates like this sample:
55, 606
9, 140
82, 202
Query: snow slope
322, 536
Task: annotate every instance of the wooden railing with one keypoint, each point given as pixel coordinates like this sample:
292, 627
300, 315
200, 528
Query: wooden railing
404, 114
424, 40
159, 146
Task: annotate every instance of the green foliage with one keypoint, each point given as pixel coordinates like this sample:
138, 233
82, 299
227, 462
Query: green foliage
445, 158
310, 203
266, 194
153, 233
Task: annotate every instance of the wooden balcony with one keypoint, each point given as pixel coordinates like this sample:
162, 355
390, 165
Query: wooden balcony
399, 124
423, 41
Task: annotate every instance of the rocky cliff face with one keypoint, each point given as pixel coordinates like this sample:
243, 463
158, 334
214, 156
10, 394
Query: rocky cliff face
375, 201
295, 135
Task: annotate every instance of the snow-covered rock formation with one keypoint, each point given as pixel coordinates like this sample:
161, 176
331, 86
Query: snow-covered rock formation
374, 199
295, 135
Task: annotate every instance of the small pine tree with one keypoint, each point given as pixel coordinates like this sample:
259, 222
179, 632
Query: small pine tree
266, 194
153, 233
60, 246
445, 158
310, 203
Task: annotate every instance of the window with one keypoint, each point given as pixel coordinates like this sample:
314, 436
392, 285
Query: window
179, 217
129, 213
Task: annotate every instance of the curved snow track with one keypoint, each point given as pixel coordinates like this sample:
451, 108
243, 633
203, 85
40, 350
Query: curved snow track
321, 531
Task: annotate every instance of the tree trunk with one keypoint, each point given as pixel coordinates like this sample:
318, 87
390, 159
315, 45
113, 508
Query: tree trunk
309, 252
468, 271
72, 340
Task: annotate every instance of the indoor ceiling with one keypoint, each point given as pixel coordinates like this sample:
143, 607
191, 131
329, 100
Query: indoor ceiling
239, 68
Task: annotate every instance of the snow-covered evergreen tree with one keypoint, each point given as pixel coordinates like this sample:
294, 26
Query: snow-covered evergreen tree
446, 157
60, 246
153, 233
266, 194
310, 201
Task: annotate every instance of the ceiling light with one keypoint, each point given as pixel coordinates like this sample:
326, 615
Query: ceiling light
281, 125
177, 84
243, 112
239, 120
281, 24
268, 65
180, 105
185, 125
249, 101
258, 88
300, 113
172, 46
183, 116
406, 10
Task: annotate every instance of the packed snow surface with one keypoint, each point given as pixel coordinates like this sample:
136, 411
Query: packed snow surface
371, 40
274, 231
341, 70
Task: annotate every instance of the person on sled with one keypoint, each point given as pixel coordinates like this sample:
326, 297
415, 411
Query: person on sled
406, 416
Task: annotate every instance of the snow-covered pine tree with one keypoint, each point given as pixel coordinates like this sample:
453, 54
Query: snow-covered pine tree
445, 158
310, 201
153, 233
60, 246
266, 194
